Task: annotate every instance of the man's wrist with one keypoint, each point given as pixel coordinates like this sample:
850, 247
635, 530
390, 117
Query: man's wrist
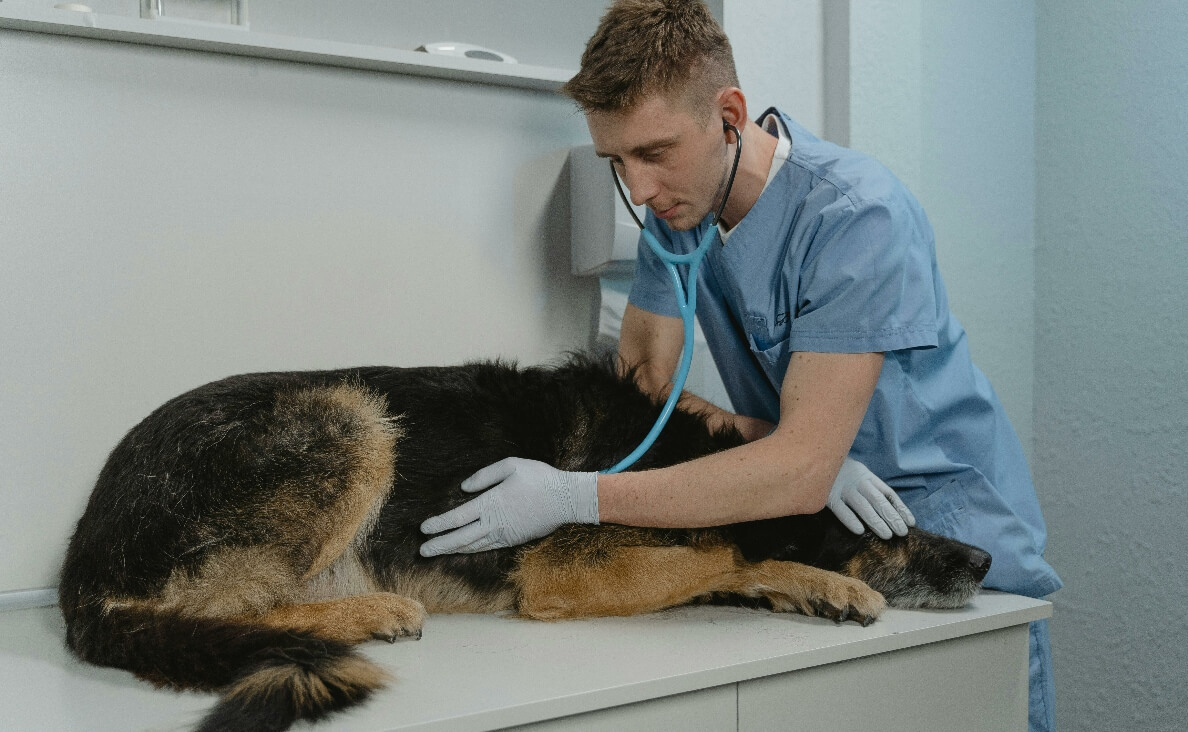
584, 493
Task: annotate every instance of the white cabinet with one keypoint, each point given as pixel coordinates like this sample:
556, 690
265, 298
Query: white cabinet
976, 682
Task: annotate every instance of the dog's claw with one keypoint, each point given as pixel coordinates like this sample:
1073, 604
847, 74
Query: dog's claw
392, 637
841, 608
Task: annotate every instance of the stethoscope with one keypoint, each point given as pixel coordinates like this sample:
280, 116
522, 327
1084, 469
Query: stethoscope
686, 302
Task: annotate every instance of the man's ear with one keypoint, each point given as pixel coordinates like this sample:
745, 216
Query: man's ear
732, 107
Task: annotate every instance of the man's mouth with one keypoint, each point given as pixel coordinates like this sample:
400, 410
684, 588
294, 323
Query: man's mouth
667, 213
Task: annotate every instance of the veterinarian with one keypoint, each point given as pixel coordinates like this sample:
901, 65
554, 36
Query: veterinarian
825, 313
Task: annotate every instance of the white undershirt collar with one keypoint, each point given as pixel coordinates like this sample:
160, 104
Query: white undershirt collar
773, 125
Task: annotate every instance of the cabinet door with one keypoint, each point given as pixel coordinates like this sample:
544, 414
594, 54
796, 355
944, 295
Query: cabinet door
709, 710
976, 682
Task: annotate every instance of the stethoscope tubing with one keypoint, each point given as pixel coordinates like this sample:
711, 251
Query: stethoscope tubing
686, 302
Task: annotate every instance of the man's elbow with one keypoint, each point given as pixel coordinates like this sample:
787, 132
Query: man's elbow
816, 501
653, 382
813, 483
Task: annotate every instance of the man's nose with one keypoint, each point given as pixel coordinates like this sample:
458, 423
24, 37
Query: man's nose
641, 186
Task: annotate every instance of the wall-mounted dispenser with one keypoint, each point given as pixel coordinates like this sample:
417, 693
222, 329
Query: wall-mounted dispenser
602, 233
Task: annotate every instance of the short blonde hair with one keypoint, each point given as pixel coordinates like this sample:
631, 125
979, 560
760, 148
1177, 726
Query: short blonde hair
671, 47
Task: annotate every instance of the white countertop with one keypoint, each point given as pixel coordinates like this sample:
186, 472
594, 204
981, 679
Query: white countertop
474, 672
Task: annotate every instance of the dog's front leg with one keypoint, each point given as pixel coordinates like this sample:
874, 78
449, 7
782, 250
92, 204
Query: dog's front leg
629, 580
354, 619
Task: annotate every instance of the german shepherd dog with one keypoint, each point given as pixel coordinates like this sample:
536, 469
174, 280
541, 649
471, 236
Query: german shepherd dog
246, 534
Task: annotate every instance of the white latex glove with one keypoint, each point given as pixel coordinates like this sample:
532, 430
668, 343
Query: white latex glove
526, 500
857, 492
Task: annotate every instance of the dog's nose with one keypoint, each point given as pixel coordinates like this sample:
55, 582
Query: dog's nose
979, 562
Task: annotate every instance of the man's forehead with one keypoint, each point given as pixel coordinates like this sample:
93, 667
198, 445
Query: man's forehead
618, 148
648, 124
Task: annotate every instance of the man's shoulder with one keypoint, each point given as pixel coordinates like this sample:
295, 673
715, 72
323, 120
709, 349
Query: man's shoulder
855, 175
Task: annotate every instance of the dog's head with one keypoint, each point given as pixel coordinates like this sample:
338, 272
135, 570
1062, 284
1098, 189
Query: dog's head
918, 570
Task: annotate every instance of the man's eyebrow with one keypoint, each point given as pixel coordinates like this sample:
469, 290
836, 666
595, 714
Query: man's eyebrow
640, 149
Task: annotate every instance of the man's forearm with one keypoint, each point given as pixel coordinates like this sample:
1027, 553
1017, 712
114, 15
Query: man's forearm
822, 402
761, 479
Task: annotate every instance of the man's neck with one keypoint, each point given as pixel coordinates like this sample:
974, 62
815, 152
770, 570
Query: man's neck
753, 166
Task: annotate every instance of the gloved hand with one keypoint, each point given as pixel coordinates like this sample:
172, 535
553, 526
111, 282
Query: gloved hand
529, 500
859, 491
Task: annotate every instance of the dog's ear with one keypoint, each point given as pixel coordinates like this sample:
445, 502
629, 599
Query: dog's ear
818, 539
787, 538
838, 544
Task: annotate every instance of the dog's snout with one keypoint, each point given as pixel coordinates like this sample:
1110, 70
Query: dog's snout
979, 562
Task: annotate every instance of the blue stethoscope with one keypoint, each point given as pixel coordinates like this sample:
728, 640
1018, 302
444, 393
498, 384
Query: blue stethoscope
686, 302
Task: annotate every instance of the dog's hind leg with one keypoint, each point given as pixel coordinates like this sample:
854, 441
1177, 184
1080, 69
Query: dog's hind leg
553, 583
288, 579
353, 439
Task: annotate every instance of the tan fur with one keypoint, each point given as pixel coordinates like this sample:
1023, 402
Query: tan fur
795, 587
634, 580
233, 581
310, 690
352, 619
628, 580
345, 576
891, 559
355, 513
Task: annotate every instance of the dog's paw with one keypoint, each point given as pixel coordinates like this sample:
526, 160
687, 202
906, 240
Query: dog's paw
845, 598
394, 616
832, 596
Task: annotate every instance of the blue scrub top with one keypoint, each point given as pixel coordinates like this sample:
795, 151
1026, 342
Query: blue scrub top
837, 256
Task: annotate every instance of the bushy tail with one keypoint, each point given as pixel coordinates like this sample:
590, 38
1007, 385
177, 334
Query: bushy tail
295, 683
268, 677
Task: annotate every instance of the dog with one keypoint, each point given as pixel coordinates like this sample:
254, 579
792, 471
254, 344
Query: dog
247, 534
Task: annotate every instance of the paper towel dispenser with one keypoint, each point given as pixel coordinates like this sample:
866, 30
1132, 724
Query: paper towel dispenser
603, 235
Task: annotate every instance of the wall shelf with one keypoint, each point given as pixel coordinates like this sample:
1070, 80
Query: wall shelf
234, 41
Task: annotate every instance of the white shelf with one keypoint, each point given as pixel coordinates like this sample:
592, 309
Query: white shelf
229, 40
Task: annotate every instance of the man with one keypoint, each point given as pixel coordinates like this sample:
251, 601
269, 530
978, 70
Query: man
825, 313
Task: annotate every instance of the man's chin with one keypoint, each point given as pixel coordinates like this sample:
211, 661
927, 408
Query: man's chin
682, 222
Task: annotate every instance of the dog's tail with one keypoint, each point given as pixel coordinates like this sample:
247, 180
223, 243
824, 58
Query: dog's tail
268, 677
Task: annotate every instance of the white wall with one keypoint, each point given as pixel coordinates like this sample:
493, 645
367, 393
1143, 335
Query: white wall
779, 54
1111, 348
943, 93
172, 217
